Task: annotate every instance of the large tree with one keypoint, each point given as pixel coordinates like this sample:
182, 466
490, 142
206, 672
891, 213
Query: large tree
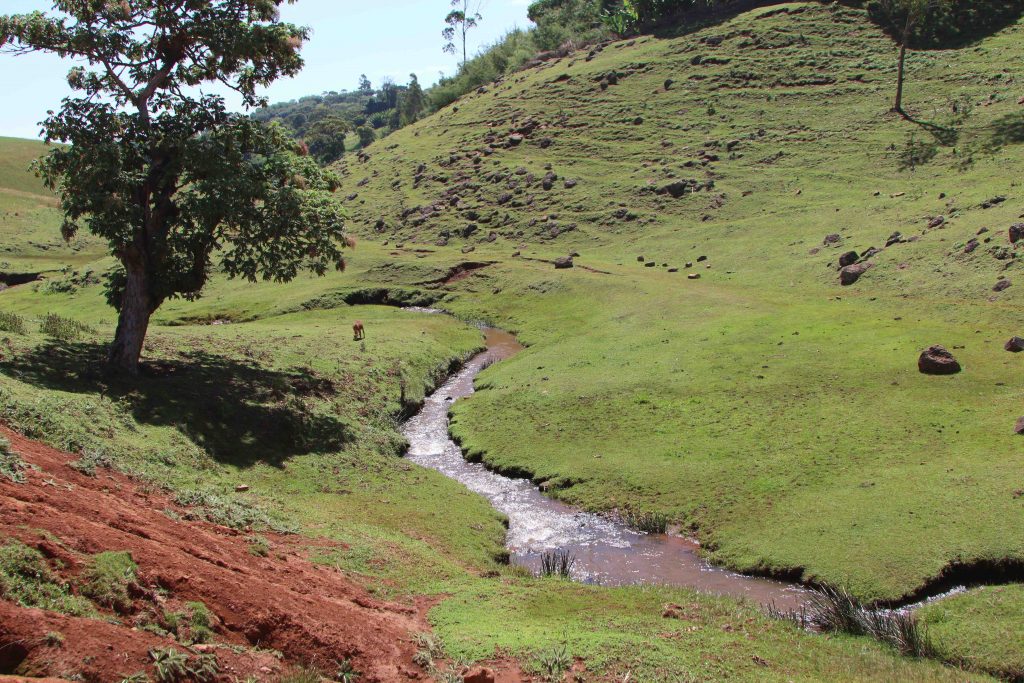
171, 179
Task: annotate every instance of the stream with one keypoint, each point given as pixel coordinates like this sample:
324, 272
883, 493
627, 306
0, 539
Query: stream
606, 551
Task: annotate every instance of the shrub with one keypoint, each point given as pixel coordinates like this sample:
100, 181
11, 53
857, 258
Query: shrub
227, 512
259, 546
12, 322
90, 460
12, 467
200, 623
64, 329
54, 638
27, 580
107, 578
347, 673
557, 563
428, 648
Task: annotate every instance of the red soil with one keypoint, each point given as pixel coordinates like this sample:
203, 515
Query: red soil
313, 615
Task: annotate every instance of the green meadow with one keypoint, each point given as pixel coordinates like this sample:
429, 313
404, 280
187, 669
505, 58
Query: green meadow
774, 414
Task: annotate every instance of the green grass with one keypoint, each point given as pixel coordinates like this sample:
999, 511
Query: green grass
27, 580
107, 578
773, 413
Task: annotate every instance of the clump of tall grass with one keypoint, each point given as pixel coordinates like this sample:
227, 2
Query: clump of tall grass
836, 611
12, 467
557, 563
648, 522
65, 329
552, 663
12, 322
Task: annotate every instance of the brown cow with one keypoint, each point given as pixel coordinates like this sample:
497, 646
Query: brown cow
357, 331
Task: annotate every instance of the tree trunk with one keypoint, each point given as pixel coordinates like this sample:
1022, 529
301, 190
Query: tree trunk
132, 322
898, 106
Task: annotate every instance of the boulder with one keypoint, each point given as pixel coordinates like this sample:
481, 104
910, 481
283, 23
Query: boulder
1014, 345
1002, 285
833, 238
936, 360
1016, 232
894, 238
848, 259
971, 245
563, 262
851, 273
693, 276
1019, 427
478, 674
936, 222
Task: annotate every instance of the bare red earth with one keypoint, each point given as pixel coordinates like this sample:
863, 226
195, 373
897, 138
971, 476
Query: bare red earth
314, 616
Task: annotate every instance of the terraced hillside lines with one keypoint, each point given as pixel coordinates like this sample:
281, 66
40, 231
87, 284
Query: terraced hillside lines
775, 412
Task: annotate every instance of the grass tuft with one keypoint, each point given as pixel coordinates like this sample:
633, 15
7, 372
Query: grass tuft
107, 580
64, 329
27, 580
835, 610
557, 563
12, 322
648, 522
552, 663
12, 467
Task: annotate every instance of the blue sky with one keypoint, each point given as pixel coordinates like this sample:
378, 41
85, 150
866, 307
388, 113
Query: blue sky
380, 38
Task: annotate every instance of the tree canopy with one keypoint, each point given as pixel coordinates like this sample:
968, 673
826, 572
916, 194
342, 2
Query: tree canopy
165, 174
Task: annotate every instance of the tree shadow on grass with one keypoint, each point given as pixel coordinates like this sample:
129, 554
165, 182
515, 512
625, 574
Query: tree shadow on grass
1004, 131
238, 412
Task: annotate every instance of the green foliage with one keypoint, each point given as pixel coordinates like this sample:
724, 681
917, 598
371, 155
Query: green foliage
366, 136
302, 675
649, 521
552, 663
326, 139
259, 546
54, 639
12, 322
12, 467
137, 677
945, 23
557, 563
26, 579
168, 178
460, 21
836, 611
92, 459
200, 623
347, 672
107, 579
227, 512
171, 664
64, 329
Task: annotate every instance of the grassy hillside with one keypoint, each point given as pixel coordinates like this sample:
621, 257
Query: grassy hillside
775, 414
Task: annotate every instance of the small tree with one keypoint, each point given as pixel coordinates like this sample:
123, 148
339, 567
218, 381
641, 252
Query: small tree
166, 175
904, 17
366, 136
461, 21
365, 86
326, 139
413, 101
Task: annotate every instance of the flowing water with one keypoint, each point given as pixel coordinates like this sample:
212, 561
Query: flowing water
606, 551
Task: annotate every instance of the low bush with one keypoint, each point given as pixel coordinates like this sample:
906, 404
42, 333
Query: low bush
648, 522
552, 663
12, 322
12, 467
64, 329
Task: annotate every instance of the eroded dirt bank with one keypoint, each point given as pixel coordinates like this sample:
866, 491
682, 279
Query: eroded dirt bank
312, 615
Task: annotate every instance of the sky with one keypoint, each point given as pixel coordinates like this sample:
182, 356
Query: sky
382, 38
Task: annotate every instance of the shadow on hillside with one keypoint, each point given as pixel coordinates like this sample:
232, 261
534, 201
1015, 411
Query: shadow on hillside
1007, 130
238, 412
946, 136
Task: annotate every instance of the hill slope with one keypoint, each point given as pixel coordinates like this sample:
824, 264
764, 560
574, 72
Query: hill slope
774, 413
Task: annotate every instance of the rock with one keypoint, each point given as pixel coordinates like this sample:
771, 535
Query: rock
668, 83
1019, 427
570, 183
650, 264
869, 252
850, 274
479, 674
848, 259
673, 270
936, 222
971, 245
242, 488
1016, 233
1002, 286
894, 238
833, 238
995, 201
693, 276
468, 248
1014, 345
702, 259
640, 259
563, 262
638, 121
936, 360
515, 139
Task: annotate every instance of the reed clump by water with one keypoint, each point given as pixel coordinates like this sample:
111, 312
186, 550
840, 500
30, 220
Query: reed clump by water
648, 522
557, 563
834, 610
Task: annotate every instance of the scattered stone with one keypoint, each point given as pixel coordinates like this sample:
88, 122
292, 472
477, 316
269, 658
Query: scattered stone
936, 360
241, 488
689, 264
638, 121
995, 201
936, 222
1002, 286
693, 276
869, 252
673, 270
570, 183
563, 262
971, 245
1016, 233
834, 238
479, 674
515, 139
1019, 427
640, 259
468, 248
848, 259
668, 83
702, 259
1014, 345
650, 264
895, 238
850, 274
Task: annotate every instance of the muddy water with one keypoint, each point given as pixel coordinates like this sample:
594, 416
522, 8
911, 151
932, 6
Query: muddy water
606, 551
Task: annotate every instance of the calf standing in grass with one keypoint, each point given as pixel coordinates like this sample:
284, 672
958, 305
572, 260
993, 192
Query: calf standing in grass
357, 331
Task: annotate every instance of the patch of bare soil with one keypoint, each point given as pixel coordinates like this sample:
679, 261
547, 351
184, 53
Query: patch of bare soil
271, 614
